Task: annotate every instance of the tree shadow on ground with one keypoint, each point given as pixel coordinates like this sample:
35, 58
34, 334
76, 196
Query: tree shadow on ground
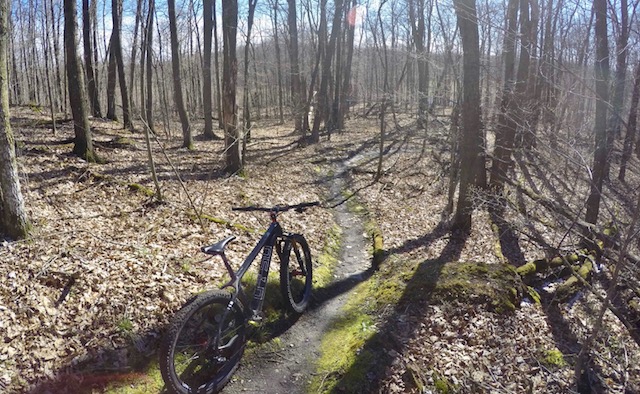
567, 342
129, 364
380, 351
507, 236
104, 367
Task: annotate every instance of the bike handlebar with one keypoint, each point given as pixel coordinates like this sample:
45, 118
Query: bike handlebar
279, 208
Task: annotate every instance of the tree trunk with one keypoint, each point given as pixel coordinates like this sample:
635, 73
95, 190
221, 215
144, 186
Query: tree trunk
229, 79
602, 97
322, 109
506, 129
13, 217
112, 75
116, 6
278, 62
61, 81
336, 77
297, 92
615, 115
149, 66
143, 57
246, 113
416, 17
217, 73
88, 60
187, 140
470, 150
346, 90
548, 91
207, 91
83, 143
47, 56
134, 49
522, 77
630, 137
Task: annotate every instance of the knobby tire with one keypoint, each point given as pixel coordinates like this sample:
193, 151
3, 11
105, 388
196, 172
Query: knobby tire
188, 362
296, 273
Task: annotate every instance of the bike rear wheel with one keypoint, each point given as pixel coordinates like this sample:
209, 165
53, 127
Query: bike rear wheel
189, 360
296, 273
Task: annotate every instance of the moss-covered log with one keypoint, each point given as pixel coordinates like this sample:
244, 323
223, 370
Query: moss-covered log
574, 282
541, 265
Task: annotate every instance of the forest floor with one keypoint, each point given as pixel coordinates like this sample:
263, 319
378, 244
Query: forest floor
83, 302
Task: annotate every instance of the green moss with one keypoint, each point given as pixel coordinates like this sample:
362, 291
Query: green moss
146, 381
185, 267
496, 285
611, 229
635, 305
352, 347
370, 226
328, 258
122, 142
533, 294
223, 222
527, 269
141, 189
554, 358
572, 284
540, 265
441, 384
343, 360
125, 326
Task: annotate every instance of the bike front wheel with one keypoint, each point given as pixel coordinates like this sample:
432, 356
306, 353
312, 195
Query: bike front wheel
203, 344
296, 273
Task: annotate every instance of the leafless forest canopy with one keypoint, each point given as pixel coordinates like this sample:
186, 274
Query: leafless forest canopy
564, 50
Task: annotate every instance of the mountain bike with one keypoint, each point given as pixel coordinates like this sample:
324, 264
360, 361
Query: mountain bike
206, 338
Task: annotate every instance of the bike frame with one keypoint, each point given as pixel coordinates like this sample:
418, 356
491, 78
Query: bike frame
267, 243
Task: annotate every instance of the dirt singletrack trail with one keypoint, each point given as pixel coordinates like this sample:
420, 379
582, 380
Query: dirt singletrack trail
288, 368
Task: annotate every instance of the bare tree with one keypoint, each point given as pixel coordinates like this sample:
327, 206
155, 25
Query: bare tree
207, 92
13, 217
148, 42
278, 61
116, 51
88, 58
217, 64
506, 128
46, 48
416, 19
602, 97
619, 81
187, 140
246, 110
346, 90
297, 91
229, 78
471, 163
134, 50
322, 109
83, 142
112, 80
632, 123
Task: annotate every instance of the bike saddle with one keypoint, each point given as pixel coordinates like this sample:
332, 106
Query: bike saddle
218, 247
